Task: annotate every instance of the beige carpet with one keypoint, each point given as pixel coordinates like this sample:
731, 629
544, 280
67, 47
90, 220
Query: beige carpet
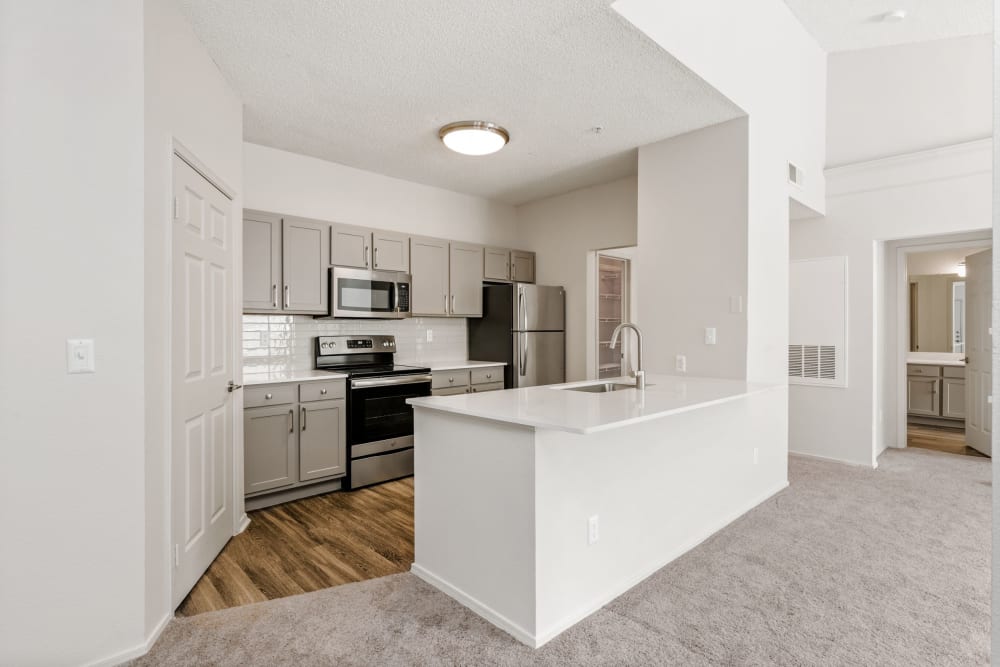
846, 567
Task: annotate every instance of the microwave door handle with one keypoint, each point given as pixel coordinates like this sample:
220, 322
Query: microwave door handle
395, 296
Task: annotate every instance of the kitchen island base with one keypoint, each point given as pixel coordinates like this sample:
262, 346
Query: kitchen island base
505, 513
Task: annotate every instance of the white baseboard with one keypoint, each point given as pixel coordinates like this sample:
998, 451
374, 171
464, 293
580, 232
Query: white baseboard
554, 630
830, 459
136, 651
242, 524
494, 617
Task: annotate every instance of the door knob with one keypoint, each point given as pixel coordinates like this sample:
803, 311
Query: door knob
233, 386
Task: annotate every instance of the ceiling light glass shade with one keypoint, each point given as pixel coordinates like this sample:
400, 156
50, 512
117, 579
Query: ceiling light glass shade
474, 137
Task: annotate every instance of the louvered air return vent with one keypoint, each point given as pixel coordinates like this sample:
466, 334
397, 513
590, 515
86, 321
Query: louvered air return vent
812, 362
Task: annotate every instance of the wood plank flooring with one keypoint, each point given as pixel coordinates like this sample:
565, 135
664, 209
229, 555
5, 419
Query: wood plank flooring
951, 440
311, 544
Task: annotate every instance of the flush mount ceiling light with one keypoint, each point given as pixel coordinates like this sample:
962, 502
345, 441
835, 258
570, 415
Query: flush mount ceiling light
474, 137
894, 16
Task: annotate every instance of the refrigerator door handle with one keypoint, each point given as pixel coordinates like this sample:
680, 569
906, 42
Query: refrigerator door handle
524, 364
521, 309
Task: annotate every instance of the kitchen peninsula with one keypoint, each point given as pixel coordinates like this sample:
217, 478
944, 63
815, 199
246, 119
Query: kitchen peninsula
534, 507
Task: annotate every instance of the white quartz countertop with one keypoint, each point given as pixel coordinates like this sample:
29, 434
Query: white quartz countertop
554, 407
453, 365
930, 359
279, 375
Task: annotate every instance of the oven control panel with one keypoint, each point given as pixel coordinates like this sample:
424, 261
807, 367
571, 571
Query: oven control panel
330, 345
403, 297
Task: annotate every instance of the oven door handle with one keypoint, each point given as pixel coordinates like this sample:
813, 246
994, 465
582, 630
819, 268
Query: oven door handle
363, 383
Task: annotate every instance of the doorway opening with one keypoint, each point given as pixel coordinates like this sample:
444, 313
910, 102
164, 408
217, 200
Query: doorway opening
610, 302
944, 295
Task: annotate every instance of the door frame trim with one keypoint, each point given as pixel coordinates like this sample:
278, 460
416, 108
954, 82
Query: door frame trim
240, 518
982, 240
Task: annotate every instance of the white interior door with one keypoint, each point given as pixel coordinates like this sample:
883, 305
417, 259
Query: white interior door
201, 368
978, 372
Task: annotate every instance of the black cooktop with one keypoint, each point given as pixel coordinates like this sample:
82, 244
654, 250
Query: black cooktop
377, 370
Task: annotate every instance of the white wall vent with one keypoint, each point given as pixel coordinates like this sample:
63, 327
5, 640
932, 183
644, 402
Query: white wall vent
817, 350
795, 175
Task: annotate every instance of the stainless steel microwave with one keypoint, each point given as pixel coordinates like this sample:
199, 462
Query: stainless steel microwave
369, 294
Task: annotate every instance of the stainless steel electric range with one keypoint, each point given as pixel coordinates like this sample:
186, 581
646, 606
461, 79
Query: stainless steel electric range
379, 421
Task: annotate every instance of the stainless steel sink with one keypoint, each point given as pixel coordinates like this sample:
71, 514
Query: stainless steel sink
602, 388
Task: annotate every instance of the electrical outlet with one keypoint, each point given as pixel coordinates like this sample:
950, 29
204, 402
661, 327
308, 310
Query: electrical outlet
709, 335
756, 456
681, 363
593, 530
430, 335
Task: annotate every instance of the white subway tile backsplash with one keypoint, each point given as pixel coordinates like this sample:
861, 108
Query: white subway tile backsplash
287, 340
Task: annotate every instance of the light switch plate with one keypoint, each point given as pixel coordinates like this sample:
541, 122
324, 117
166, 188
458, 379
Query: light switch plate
80, 355
709, 335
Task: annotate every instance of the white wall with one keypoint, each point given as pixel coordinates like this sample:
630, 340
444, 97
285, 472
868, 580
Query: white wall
188, 100
285, 182
909, 98
938, 192
562, 230
71, 266
693, 250
760, 57
936, 262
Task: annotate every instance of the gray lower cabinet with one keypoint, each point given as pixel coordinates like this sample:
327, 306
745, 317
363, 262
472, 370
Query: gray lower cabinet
463, 381
953, 398
935, 391
298, 443
269, 452
322, 436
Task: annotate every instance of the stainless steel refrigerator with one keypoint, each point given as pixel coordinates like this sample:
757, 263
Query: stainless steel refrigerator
522, 325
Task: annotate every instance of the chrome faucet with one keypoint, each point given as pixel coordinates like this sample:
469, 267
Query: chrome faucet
640, 375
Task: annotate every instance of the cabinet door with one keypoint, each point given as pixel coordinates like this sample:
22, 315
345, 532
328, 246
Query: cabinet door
522, 266
392, 251
305, 265
322, 439
496, 265
429, 277
466, 280
922, 396
449, 391
953, 398
350, 246
269, 451
261, 262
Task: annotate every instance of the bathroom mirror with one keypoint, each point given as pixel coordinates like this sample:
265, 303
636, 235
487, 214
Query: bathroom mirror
937, 313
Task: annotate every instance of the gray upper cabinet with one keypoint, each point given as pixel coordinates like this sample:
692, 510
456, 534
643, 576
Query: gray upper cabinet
466, 280
391, 251
269, 459
522, 266
322, 439
350, 246
429, 277
305, 262
261, 262
496, 264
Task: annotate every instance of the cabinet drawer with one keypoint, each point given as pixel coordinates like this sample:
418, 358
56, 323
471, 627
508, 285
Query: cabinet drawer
489, 386
925, 371
450, 391
954, 372
321, 391
269, 394
443, 379
487, 375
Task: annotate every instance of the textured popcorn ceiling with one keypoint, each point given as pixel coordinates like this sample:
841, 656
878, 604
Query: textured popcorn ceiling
368, 84
845, 25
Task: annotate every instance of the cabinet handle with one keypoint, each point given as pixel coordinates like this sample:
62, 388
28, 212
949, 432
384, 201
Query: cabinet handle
274, 296
303, 418
291, 420
376, 257
268, 397
452, 304
322, 392
366, 257
288, 297
489, 376
445, 304
451, 379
